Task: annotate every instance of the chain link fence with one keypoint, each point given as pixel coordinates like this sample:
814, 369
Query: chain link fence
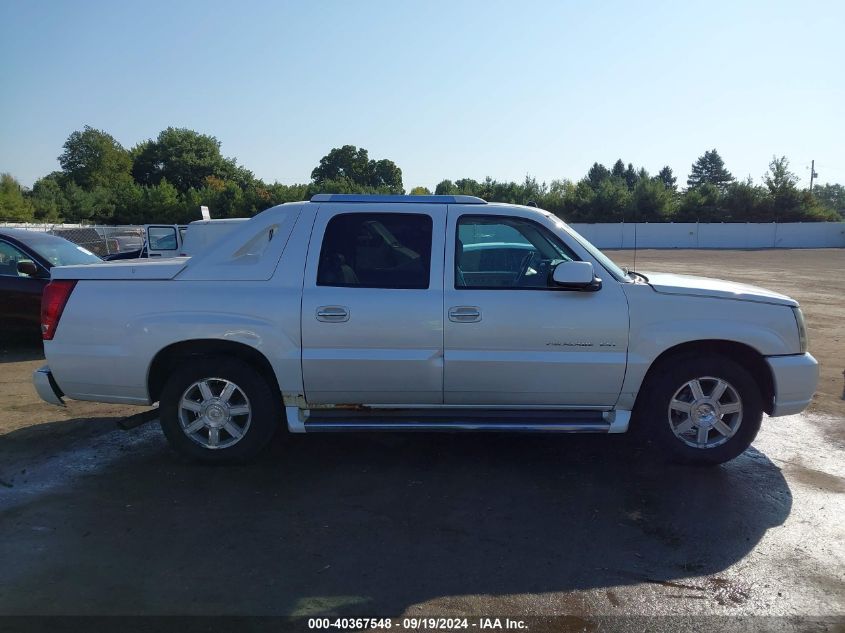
100, 240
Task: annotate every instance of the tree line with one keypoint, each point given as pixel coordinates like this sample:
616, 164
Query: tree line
625, 193
166, 179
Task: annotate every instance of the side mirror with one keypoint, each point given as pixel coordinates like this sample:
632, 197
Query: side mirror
576, 276
27, 267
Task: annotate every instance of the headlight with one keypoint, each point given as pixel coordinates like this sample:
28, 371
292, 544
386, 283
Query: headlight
802, 329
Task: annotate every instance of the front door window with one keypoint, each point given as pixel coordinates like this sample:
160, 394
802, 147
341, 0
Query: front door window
497, 252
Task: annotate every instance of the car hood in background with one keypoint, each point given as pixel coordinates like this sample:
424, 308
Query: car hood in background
668, 283
123, 269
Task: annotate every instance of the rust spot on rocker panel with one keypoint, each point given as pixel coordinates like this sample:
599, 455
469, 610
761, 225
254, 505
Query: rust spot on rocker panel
298, 400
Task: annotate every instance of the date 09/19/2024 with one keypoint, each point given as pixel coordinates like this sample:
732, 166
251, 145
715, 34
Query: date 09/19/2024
417, 623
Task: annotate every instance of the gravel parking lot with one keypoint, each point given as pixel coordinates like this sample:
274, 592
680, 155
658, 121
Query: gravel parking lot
95, 520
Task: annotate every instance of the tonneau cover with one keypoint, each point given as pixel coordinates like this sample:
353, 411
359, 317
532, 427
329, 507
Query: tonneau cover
165, 268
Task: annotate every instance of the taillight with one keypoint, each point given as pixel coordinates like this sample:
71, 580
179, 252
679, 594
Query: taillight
53, 303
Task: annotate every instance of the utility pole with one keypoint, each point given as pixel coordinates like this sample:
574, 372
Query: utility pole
813, 173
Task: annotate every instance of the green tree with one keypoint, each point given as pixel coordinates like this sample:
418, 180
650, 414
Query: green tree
558, 198
95, 205
831, 197
385, 173
612, 200
185, 159
445, 188
745, 202
531, 191
597, 174
351, 164
668, 179
420, 191
779, 179
700, 204
606, 202
468, 187
280, 193
709, 169
651, 201
618, 169
162, 203
48, 198
128, 205
783, 189
343, 163
631, 177
92, 158
13, 206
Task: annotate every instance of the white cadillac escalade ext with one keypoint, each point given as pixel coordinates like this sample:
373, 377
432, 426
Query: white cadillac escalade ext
424, 313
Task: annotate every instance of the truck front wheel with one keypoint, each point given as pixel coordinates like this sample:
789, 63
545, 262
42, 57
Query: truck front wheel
218, 409
701, 410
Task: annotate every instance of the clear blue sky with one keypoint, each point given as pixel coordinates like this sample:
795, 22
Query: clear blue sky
447, 90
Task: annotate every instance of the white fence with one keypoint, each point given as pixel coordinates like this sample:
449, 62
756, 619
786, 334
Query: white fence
695, 235
619, 235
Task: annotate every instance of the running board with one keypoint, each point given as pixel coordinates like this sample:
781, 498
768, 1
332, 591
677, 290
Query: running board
445, 419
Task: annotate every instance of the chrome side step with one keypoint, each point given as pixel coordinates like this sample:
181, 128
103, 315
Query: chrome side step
456, 425
456, 420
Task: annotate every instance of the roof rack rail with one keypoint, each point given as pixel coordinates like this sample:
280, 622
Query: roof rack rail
355, 197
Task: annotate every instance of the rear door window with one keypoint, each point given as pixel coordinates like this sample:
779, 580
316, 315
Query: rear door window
162, 238
376, 250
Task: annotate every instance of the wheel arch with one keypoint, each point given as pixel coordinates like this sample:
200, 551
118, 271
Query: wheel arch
169, 357
745, 355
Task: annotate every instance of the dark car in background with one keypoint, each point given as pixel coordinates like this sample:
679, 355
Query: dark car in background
26, 258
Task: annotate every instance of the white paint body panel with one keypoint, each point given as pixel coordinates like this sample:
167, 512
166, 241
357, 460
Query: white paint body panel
795, 377
390, 350
706, 287
203, 234
538, 348
125, 269
533, 347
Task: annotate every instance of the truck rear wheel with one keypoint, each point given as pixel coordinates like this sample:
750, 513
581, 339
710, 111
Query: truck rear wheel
218, 409
700, 409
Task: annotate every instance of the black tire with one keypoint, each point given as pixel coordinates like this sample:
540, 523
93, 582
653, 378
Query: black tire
652, 418
264, 419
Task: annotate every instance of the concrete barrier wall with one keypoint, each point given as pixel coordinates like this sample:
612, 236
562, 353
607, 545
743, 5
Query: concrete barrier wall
692, 235
675, 235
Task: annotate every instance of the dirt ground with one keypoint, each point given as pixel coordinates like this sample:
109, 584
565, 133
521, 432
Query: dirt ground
99, 521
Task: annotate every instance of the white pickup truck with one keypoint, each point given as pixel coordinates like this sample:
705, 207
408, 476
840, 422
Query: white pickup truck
423, 313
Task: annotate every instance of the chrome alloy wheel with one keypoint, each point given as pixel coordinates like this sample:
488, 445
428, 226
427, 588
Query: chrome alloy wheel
214, 413
705, 412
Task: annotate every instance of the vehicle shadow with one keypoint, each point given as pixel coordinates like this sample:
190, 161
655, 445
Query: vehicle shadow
17, 347
362, 524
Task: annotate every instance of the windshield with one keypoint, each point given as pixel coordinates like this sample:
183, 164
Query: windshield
600, 257
60, 252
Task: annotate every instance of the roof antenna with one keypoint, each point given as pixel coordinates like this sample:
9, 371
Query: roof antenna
635, 246
531, 203
634, 266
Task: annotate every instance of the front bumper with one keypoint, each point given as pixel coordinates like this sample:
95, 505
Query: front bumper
46, 386
796, 377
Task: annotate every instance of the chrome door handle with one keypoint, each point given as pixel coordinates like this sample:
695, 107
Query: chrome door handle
332, 314
464, 314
